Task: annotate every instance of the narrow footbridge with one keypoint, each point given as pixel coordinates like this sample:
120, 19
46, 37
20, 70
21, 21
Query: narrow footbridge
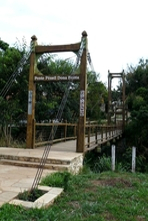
96, 135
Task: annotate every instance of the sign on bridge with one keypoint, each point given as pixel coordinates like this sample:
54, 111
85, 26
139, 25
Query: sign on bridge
56, 77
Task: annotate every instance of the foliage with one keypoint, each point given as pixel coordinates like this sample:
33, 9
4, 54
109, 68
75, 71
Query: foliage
96, 97
30, 196
103, 164
117, 93
98, 163
13, 100
137, 101
3, 45
137, 77
58, 179
8, 112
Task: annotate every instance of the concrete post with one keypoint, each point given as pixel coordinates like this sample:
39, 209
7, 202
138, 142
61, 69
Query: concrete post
113, 157
133, 159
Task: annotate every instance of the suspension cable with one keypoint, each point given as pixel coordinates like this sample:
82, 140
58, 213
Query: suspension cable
14, 75
90, 62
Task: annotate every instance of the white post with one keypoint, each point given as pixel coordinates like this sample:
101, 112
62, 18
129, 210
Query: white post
113, 157
133, 159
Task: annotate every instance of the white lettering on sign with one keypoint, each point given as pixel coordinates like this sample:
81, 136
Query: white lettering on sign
73, 77
82, 94
56, 77
63, 78
50, 78
39, 78
82, 103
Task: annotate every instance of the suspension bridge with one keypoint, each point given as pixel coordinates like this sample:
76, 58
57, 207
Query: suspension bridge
80, 137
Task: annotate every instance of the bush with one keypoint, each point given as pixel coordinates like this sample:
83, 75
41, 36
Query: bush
97, 163
30, 196
58, 179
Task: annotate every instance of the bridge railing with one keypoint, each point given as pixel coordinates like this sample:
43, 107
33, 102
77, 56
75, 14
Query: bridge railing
42, 131
95, 134
99, 134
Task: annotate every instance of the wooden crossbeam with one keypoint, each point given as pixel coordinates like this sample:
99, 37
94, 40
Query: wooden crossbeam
57, 48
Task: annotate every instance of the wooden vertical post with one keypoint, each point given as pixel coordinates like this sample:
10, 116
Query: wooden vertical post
89, 133
75, 131
96, 133
83, 97
109, 97
34, 133
109, 132
101, 134
123, 99
106, 131
65, 131
31, 97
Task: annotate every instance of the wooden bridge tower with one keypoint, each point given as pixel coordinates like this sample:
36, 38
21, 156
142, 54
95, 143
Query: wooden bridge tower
34, 73
122, 106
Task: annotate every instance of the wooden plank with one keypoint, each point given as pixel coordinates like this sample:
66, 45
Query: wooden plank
56, 124
54, 141
57, 48
91, 148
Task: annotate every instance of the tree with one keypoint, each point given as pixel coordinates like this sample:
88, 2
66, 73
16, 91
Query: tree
8, 111
3, 45
13, 99
96, 97
137, 77
137, 100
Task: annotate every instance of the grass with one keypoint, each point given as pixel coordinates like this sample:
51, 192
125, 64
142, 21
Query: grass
90, 196
30, 195
59, 179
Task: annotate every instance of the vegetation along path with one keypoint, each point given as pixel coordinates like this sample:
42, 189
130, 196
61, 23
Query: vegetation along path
90, 196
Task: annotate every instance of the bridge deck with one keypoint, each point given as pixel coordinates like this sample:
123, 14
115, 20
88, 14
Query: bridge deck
91, 142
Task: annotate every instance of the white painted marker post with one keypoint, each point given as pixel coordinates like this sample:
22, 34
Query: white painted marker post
133, 159
113, 157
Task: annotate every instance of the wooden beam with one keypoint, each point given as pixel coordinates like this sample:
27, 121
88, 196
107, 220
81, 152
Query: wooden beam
57, 48
31, 104
83, 99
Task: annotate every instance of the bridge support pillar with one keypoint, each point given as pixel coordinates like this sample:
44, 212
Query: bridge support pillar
31, 98
122, 105
83, 98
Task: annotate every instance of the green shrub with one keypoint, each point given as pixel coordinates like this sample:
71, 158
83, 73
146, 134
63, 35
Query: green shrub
103, 164
30, 196
58, 179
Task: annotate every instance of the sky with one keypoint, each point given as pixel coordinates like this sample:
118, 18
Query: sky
117, 29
